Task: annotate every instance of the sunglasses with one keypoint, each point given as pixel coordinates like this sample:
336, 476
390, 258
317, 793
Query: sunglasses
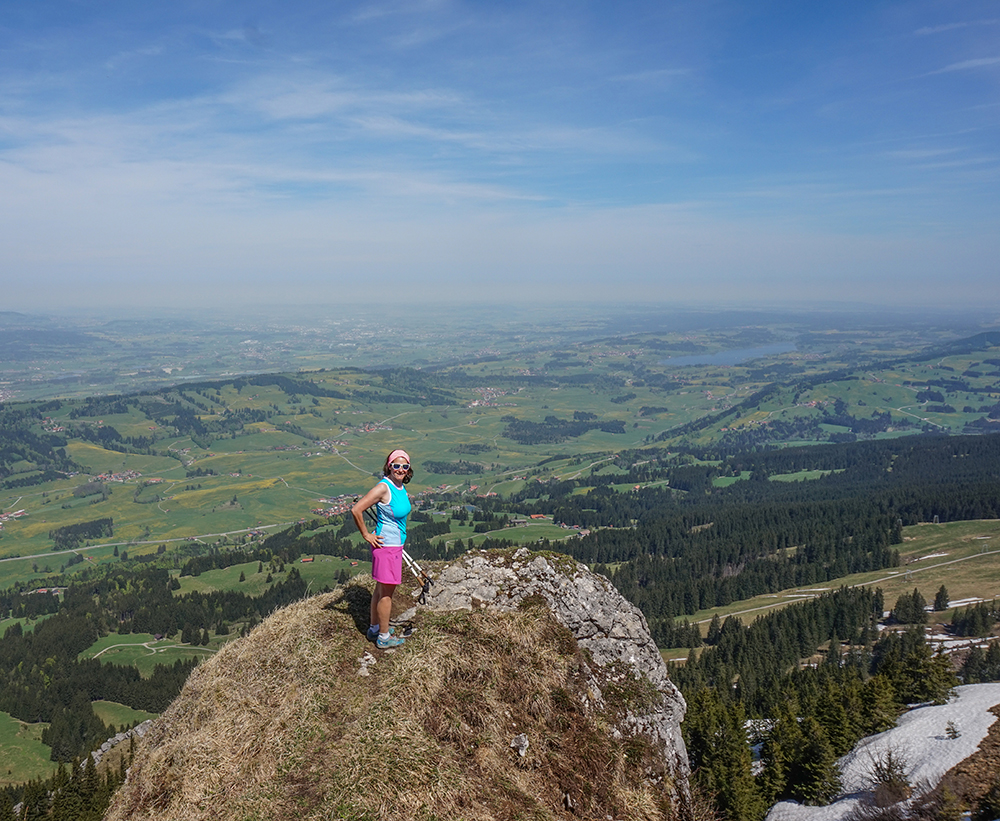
400, 466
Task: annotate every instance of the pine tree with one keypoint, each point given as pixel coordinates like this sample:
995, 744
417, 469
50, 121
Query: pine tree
941, 600
720, 756
67, 803
902, 612
740, 798
833, 654
35, 801
833, 718
940, 679
714, 630
813, 775
974, 666
777, 753
991, 670
878, 705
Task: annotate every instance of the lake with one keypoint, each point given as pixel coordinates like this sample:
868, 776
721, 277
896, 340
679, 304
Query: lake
734, 357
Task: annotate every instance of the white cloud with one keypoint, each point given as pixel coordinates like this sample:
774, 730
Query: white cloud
966, 65
920, 153
924, 31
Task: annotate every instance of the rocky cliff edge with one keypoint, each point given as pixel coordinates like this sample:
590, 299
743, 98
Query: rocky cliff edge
529, 689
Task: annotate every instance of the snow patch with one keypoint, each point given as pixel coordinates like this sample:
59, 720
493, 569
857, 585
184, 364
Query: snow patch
921, 738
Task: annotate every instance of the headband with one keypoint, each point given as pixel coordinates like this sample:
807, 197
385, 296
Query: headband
396, 453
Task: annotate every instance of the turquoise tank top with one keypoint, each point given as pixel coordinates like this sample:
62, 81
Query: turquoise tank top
390, 519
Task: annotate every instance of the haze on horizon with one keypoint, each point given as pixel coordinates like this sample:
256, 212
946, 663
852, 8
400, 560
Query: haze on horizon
683, 152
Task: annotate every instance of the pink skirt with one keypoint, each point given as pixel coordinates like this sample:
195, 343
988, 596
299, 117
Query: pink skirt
387, 565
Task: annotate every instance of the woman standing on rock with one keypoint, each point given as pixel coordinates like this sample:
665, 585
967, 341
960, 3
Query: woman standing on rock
392, 506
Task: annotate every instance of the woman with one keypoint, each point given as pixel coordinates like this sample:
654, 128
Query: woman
392, 506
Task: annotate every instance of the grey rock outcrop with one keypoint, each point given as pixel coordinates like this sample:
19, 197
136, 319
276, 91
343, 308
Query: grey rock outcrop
137, 732
607, 626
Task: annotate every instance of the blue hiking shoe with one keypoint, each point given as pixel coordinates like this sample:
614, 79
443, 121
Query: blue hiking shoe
372, 633
392, 641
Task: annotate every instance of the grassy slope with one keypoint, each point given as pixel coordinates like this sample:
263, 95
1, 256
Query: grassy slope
284, 724
22, 754
111, 712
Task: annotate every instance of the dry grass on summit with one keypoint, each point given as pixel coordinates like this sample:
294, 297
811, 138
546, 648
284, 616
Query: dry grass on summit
281, 725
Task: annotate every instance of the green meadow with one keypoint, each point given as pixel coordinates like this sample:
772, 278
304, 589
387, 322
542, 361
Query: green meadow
27, 624
276, 471
22, 754
119, 715
143, 651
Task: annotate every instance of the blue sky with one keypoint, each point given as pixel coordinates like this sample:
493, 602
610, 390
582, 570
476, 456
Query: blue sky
681, 152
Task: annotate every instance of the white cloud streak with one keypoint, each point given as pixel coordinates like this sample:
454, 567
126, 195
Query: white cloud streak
966, 65
927, 30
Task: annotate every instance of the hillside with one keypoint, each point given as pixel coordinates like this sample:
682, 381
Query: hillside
303, 717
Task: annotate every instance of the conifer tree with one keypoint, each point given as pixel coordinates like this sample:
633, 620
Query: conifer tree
813, 775
67, 803
714, 630
833, 654
833, 718
991, 670
878, 604
941, 600
975, 663
778, 751
720, 756
940, 679
878, 705
34, 801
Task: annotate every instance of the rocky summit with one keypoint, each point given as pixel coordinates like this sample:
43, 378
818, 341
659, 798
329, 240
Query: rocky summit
528, 688
611, 629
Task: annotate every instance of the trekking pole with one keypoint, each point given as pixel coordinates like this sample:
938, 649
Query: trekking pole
422, 576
